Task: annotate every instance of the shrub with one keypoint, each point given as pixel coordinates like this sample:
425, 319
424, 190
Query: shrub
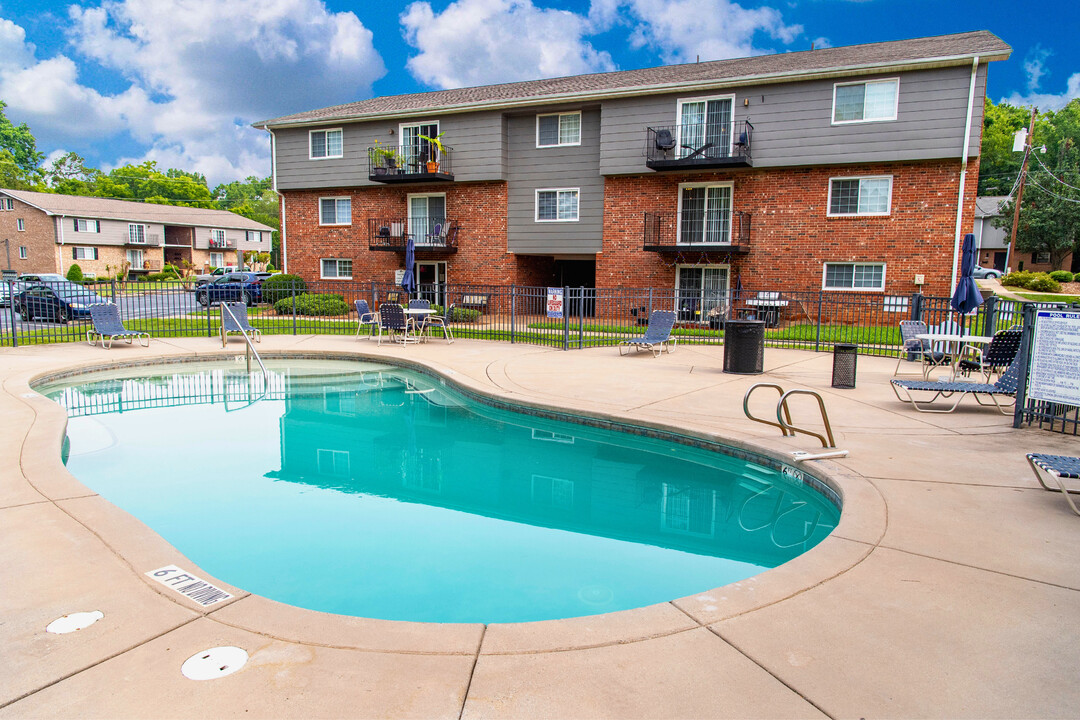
1061, 276
1041, 282
464, 315
74, 273
278, 287
312, 304
159, 276
1016, 279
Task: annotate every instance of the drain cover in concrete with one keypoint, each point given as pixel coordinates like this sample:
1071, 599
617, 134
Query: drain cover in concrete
74, 621
214, 663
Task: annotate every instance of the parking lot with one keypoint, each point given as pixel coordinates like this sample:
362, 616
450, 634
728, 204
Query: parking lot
159, 302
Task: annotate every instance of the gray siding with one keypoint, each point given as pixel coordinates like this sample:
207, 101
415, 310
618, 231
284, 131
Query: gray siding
476, 139
530, 168
793, 123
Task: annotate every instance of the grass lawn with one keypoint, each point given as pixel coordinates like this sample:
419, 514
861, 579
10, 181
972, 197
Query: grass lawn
1050, 297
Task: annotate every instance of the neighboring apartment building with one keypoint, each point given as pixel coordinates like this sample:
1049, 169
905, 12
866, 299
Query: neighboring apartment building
992, 242
838, 168
45, 232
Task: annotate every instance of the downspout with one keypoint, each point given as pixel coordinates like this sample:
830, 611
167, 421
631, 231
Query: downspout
963, 172
60, 250
273, 178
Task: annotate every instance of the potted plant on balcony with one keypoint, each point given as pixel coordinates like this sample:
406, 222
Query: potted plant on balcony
386, 158
433, 160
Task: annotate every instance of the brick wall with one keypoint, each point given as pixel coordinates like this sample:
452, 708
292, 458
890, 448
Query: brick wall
791, 235
39, 239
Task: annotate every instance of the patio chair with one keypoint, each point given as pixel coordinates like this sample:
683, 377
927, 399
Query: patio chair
657, 335
997, 356
1004, 387
368, 319
107, 324
234, 319
916, 350
418, 304
442, 322
1057, 467
392, 320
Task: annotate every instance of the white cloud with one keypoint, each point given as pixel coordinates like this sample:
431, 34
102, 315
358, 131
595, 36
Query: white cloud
477, 42
1034, 66
198, 72
821, 43
1047, 101
474, 42
685, 30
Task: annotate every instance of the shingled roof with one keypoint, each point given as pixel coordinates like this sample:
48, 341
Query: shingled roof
111, 209
780, 67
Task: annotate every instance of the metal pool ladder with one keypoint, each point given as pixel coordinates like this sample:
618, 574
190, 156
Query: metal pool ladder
783, 421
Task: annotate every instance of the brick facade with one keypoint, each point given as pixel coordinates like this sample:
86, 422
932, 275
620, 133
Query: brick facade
38, 237
791, 235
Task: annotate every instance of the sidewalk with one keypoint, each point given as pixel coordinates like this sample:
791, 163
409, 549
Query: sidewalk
949, 589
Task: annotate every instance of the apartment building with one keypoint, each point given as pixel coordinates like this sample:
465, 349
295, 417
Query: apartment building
46, 232
849, 168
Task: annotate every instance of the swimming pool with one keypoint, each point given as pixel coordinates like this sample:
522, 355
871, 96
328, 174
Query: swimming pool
370, 490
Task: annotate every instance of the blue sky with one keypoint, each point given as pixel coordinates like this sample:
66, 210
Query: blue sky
180, 81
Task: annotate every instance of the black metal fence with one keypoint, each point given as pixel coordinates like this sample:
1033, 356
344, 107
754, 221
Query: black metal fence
589, 317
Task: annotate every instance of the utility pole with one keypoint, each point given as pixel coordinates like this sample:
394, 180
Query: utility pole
1023, 177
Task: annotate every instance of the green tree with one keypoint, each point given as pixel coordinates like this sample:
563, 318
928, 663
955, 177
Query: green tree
20, 160
998, 164
1049, 216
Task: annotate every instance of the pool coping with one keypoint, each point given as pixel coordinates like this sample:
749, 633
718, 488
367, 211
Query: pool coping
861, 527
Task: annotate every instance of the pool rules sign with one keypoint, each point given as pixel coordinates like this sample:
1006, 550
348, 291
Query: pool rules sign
1055, 358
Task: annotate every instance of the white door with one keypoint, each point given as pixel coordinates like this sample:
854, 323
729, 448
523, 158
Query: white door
427, 219
702, 292
705, 128
431, 281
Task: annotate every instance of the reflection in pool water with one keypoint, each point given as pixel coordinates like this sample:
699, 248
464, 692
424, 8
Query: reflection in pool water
370, 490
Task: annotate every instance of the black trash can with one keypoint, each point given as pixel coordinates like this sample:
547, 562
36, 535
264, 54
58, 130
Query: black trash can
744, 346
843, 365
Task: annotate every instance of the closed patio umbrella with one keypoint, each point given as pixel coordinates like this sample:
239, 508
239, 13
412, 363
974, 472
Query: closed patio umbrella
966, 297
408, 280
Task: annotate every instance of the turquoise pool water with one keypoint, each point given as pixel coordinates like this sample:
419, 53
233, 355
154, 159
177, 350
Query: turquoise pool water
375, 491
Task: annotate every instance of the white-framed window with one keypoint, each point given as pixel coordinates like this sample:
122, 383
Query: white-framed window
865, 196
333, 462
253, 236
705, 126
414, 150
20, 224
853, 276
10, 204
135, 257
84, 253
704, 214
1040, 258
873, 101
217, 238
217, 259
557, 205
701, 292
136, 233
335, 269
23, 252
324, 144
81, 225
427, 218
558, 129
895, 303
335, 211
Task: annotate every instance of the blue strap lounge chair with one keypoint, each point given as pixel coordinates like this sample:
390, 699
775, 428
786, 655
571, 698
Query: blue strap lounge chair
107, 324
997, 356
1058, 467
657, 335
1004, 387
234, 319
368, 319
918, 350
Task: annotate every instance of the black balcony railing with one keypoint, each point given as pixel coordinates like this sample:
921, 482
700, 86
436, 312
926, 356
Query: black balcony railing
427, 233
417, 162
723, 231
700, 145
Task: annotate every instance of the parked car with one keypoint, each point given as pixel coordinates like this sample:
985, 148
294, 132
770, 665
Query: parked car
8, 289
216, 273
58, 302
233, 287
981, 272
43, 277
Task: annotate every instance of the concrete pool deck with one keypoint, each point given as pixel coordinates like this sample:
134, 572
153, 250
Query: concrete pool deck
949, 589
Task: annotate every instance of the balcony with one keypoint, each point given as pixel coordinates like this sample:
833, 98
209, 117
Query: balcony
697, 231
437, 235
221, 244
142, 240
414, 163
700, 146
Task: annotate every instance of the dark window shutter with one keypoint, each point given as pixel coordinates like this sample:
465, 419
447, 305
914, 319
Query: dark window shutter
74, 254
95, 253
75, 222
97, 226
